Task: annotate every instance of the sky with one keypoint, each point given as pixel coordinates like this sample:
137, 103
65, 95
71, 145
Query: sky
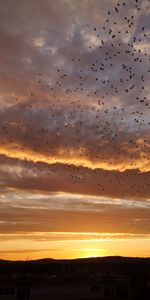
74, 128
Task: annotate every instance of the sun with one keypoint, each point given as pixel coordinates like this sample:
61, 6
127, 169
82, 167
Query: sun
92, 252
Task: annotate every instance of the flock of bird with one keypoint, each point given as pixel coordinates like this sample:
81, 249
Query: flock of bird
103, 113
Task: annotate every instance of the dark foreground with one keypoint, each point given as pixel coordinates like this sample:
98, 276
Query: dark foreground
87, 279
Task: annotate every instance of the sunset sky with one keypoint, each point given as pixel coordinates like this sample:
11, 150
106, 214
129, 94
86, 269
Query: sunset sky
74, 128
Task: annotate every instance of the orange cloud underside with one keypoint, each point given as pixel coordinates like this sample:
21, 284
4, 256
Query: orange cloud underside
71, 158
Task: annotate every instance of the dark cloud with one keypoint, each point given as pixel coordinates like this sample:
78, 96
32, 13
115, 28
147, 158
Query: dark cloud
130, 184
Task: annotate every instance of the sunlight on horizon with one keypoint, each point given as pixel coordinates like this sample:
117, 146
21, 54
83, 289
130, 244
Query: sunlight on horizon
24, 248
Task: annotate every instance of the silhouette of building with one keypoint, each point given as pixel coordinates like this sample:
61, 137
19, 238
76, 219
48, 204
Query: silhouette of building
45, 287
71, 281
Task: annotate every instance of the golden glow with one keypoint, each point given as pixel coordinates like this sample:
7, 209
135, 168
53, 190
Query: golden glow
92, 252
56, 245
12, 151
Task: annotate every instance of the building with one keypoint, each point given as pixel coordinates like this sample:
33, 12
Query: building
74, 281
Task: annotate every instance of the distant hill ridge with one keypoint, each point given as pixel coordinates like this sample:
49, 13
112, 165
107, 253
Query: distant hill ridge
105, 259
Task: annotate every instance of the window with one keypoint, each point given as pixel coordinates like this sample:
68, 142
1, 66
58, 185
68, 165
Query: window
97, 289
1, 291
12, 291
4, 291
108, 290
122, 289
23, 292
